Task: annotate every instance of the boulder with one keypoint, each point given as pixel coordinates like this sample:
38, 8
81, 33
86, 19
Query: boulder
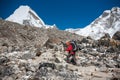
103, 42
3, 60
101, 49
6, 71
112, 49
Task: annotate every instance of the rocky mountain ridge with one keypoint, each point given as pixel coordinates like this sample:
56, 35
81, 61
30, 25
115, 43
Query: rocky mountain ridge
13, 34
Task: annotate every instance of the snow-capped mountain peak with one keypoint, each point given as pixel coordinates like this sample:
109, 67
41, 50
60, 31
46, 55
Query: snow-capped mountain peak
26, 16
108, 22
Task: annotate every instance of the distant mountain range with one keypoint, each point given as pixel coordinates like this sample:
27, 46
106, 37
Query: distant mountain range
108, 22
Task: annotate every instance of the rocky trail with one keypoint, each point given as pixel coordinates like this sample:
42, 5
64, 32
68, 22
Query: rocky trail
26, 66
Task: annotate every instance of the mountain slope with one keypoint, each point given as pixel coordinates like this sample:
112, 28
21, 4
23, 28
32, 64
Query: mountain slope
25, 15
14, 34
108, 22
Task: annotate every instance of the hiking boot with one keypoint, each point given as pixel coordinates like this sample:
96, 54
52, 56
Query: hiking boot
68, 61
74, 63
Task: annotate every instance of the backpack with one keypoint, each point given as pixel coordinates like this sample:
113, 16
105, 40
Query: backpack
74, 45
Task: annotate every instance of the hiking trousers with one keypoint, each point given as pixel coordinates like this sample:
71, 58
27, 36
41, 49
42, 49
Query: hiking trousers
73, 60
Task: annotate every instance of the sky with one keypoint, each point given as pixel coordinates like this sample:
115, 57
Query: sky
64, 13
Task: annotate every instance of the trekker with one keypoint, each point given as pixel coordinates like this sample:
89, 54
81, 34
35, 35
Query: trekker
71, 53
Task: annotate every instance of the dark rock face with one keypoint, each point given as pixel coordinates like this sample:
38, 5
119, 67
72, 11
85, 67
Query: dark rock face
106, 36
116, 36
105, 14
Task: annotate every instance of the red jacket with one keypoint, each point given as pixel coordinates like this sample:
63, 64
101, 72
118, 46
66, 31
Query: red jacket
69, 49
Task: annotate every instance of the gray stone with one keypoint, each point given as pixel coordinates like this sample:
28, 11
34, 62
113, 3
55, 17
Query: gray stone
6, 71
101, 49
58, 60
103, 69
28, 56
3, 59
